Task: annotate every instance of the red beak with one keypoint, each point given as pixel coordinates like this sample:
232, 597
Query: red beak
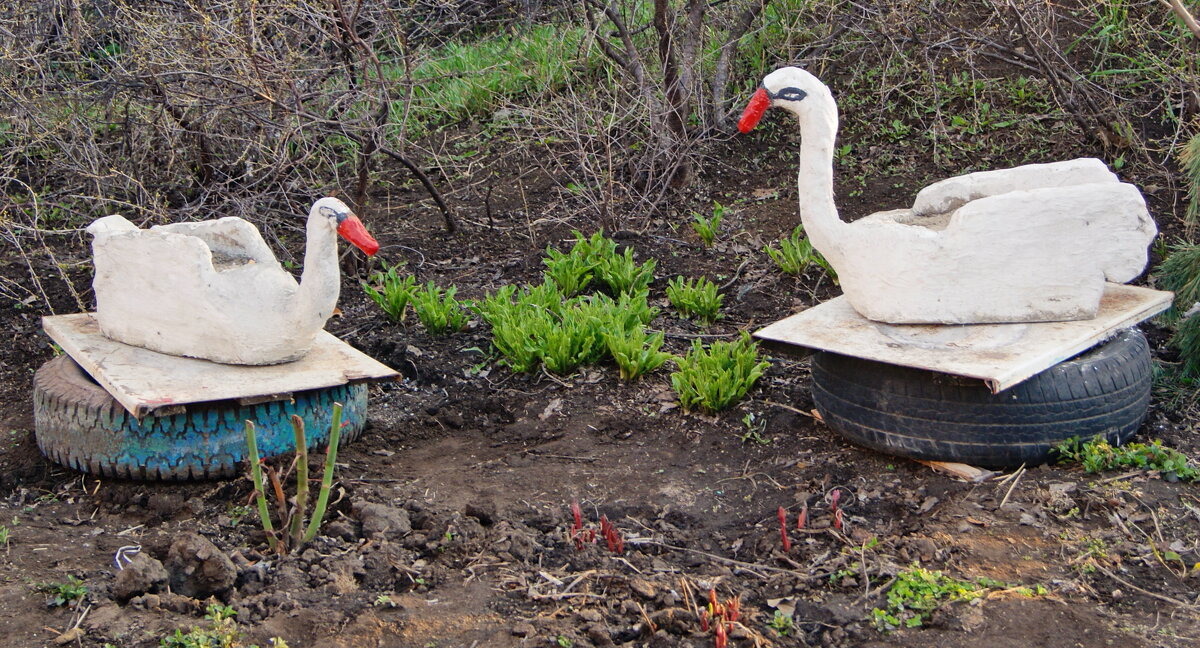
353, 230
754, 110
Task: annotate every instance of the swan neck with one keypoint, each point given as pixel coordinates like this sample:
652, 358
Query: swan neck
320, 281
818, 211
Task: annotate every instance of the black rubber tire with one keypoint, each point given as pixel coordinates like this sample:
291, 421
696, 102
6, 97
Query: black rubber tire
929, 415
79, 425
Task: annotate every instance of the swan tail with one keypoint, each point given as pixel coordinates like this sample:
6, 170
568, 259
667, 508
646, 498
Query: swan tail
110, 225
1125, 250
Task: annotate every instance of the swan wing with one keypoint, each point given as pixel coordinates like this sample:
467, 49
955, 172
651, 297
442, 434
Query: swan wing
1104, 224
229, 236
950, 194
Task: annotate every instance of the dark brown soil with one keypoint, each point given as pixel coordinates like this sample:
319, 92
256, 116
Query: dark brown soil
484, 465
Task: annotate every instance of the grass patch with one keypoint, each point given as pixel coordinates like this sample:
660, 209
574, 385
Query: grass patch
461, 79
1098, 455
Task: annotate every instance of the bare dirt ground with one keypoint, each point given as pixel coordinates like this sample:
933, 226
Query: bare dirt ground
452, 521
475, 468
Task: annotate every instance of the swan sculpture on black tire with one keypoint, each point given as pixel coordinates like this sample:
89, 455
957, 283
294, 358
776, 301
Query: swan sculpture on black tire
1027, 244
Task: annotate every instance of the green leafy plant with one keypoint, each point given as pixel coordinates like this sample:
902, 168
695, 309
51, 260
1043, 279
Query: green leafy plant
714, 378
293, 532
5, 536
696, 298
917, 593
635, 353
706, 227
796, 252
69, 593
782, 624
393, 293
222, 632
576, 339
622, 275
571, 272
1098, 455
440, 313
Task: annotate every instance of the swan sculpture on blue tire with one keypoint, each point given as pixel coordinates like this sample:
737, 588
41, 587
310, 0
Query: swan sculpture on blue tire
1027, 244
214, 290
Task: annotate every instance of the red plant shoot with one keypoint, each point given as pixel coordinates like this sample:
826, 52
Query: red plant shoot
578, 514
802, 519
722, 638
837, 512
704, 620
783, 534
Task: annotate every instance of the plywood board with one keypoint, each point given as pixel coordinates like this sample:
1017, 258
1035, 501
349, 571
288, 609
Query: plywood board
146, 382
1001, 355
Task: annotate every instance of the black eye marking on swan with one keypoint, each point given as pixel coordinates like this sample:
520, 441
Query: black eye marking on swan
330, 212
791, 94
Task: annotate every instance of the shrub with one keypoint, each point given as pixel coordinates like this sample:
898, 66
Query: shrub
696, 298
715, 378
438, 310
393, 294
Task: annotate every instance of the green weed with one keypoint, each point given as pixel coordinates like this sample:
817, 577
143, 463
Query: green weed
222, 632
918, 592
706, 227
796, 252
782, 624
635, 353
1097, 456
714, 378
440, 313
695, 298
393, 293
69, 593
5, 536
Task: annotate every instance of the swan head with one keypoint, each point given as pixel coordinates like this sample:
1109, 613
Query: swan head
338, 217
794, 90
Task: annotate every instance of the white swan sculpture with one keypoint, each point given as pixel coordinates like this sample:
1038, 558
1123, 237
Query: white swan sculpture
214, 290
1027, 244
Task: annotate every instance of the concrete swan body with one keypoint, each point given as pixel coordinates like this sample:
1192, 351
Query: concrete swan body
1031, 243
214, 290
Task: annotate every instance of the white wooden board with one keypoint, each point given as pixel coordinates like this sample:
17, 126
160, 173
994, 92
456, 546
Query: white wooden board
146, 382
1001, 355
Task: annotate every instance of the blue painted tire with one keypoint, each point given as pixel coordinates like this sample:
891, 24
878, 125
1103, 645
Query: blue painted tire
79, 425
